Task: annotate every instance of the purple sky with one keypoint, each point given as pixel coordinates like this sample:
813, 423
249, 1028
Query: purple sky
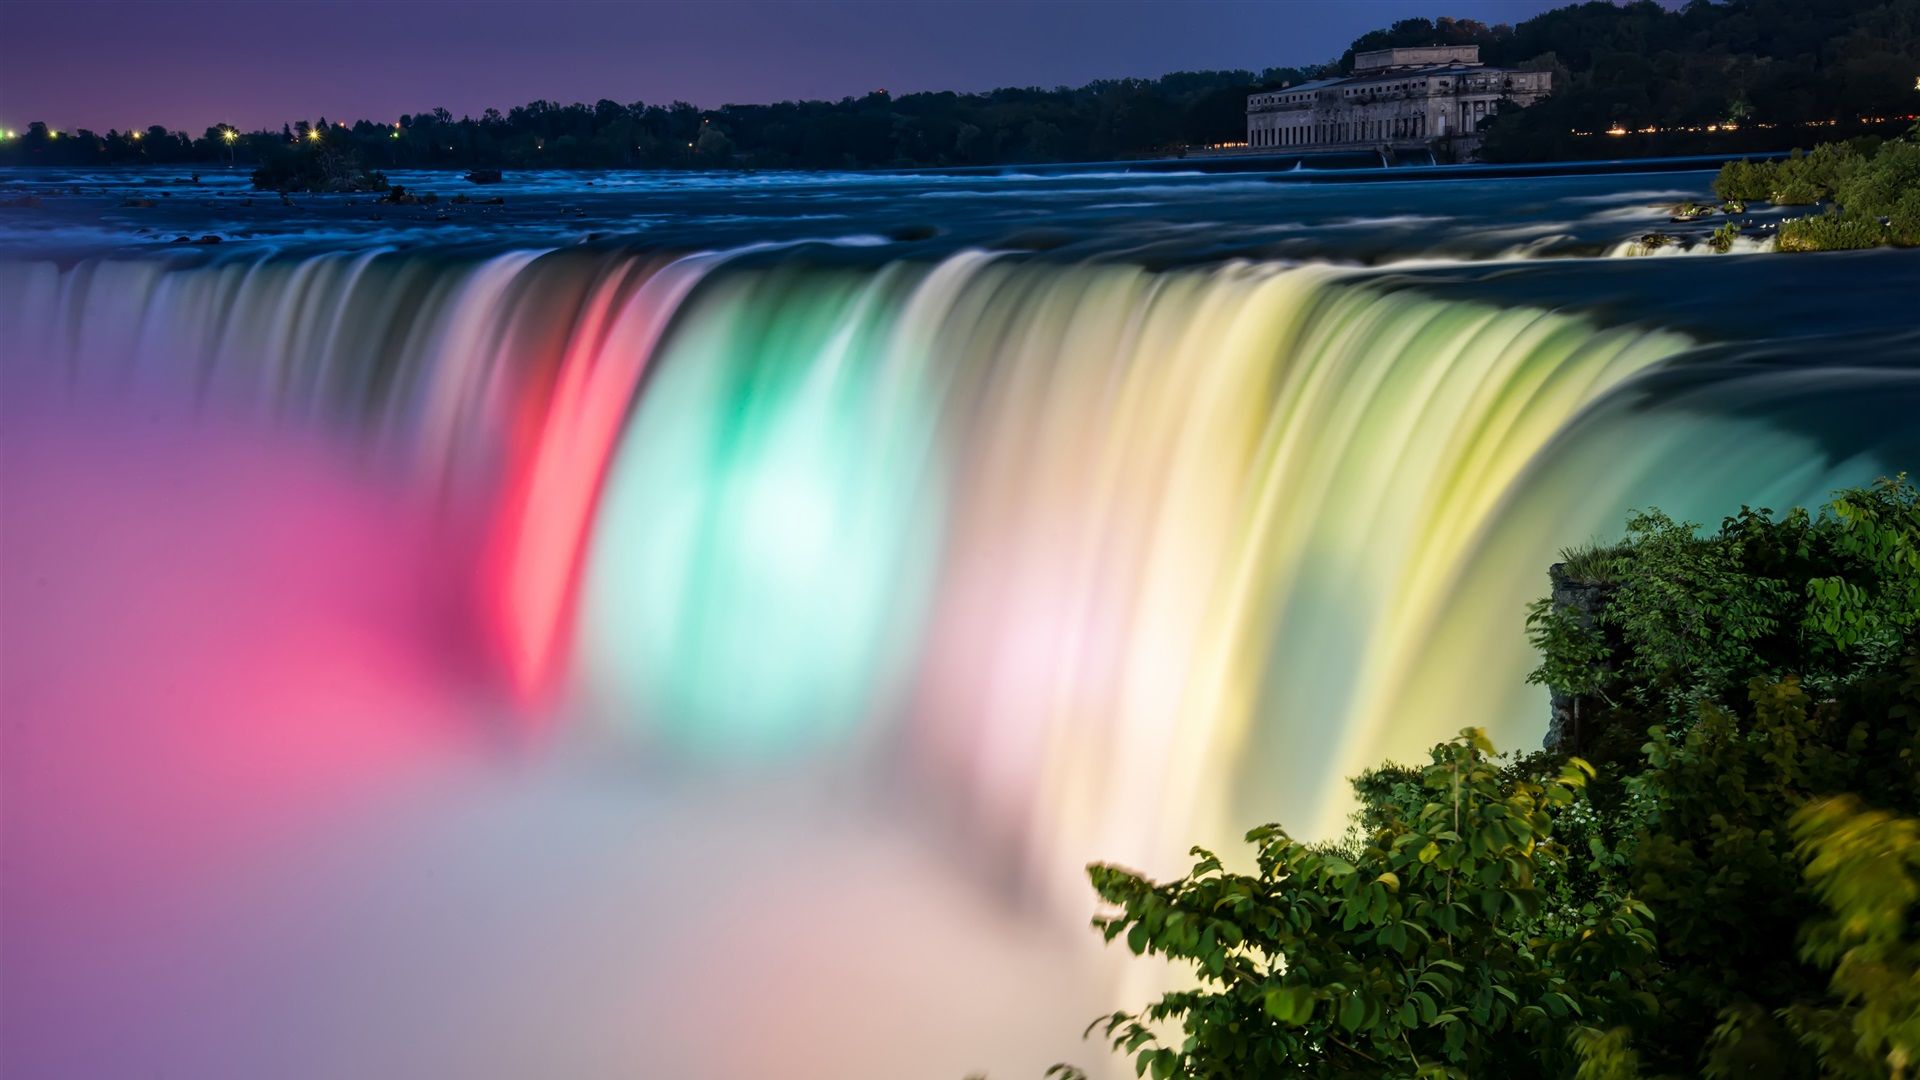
191, 63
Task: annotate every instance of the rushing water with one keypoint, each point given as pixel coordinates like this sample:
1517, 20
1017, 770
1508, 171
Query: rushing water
492, 653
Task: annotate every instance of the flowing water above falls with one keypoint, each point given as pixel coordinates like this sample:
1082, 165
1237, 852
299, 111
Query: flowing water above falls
1059, 560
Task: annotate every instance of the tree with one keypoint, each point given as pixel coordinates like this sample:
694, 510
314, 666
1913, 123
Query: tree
1432, 948
1730, 890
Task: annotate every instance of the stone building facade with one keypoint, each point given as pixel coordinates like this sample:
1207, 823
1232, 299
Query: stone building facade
1429, 98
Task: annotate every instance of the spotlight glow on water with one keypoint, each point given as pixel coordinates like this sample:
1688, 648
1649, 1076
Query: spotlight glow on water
443, 664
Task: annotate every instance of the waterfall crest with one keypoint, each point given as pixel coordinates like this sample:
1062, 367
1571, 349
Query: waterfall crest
1100, 559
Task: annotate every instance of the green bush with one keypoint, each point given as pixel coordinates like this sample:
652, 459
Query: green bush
1802, 179
1834, 230
1876, 186
1744, 181
1797, 190
1731, 890
1903, 223
1823, 597
1869, 180
1432, 948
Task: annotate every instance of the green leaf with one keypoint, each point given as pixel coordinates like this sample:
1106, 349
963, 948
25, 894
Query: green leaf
1290, 1004
1353, 1012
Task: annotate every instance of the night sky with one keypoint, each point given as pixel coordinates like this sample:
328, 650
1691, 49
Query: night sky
106, 64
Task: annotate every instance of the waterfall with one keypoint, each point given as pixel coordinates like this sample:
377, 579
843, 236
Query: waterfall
1098, 560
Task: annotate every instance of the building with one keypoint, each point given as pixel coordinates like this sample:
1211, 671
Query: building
1397, 100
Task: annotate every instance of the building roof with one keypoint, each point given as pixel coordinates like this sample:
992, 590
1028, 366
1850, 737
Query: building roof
1388, 75
1415, 56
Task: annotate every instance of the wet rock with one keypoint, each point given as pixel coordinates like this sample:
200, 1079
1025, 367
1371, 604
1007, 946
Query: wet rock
460, 200
208, 239
144, 203
1584, 601
483, 176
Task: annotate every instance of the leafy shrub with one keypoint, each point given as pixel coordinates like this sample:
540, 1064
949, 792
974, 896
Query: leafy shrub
1903, 223
1802, 179
1876, 186
1832, 231
1744, 181
1825, 597
1791, 190
1430, 949
1492, 920
1723, 237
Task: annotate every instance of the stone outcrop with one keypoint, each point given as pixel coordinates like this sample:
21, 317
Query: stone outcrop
1584, 600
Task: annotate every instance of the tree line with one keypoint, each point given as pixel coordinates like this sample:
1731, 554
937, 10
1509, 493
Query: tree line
1770, 68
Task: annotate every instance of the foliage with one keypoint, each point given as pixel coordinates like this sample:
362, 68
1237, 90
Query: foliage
1834, 230
1876, 186
1109, 118
316, 167
1724, 236
1772, 68
1744, 181
1800, 179
1594, 564
1869, 180
1430, 949
1730, 890
1820, 596
1864, 865
1903, 224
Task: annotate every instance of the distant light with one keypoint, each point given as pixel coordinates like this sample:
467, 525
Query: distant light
229, 134
395, 135
313, 134
137, 135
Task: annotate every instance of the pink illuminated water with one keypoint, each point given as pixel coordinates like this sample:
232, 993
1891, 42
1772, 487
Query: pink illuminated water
590, 663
